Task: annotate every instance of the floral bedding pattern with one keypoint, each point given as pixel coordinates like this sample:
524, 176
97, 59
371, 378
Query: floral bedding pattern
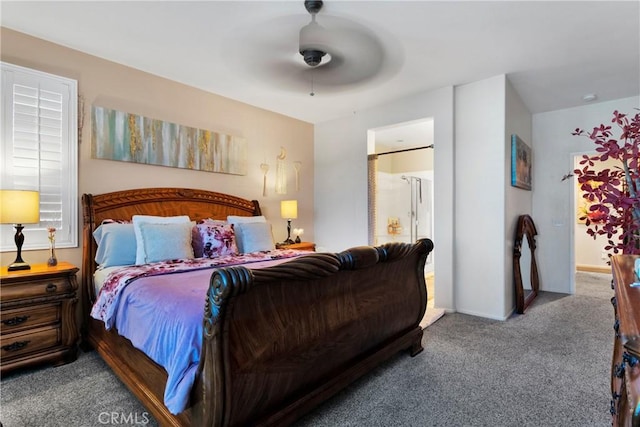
107, 301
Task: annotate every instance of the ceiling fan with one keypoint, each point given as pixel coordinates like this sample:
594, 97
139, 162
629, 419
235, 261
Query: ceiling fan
339, 51
330, 54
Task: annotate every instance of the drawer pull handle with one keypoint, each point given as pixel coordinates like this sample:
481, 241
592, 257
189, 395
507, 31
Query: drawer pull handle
14, 321
18, 345
51, 287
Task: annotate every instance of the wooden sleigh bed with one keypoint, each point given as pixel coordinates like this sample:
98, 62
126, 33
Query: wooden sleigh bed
277, 341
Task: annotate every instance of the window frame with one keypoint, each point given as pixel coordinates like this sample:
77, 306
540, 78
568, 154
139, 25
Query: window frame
36, 235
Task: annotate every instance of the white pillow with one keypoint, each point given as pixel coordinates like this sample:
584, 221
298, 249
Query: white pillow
254, 237
233, 219
141, 219
163, 242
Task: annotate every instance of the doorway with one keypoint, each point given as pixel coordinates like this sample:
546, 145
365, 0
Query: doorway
589, 255
401, 184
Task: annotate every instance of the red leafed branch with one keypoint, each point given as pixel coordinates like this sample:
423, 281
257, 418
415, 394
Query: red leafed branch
613, 194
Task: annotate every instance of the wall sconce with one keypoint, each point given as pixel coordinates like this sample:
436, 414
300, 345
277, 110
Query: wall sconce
19, 207
289, 211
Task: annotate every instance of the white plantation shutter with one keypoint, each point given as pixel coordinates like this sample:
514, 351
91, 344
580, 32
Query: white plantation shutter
39, 152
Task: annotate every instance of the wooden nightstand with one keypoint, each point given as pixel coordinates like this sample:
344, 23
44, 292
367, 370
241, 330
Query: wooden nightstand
38, 316
302, 246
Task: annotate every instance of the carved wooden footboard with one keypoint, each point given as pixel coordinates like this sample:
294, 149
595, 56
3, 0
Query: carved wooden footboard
280, 340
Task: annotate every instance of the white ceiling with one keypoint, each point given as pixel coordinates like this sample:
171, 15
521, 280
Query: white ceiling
553, 52
400, 136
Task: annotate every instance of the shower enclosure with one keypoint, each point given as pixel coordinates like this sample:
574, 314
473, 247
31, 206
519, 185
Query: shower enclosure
404, 207
415, 206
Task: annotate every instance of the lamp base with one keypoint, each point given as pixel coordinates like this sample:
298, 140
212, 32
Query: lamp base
287, 242
19, 266
19, 263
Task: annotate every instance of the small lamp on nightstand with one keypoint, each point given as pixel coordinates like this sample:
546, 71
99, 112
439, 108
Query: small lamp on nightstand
289, 211
19, 207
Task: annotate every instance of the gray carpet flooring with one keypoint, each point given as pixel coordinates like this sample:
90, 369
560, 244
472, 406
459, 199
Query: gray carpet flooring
548, 367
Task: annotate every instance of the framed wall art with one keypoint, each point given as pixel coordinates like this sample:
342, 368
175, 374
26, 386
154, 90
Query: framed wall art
520, 163
126, 137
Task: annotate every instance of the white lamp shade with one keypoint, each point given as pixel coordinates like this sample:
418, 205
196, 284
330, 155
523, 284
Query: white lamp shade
314, 36
289, 209
19, 207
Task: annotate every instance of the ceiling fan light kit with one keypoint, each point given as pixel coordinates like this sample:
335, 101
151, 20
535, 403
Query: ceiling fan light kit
312, 37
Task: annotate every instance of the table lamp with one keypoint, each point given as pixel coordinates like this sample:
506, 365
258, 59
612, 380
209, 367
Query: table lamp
19, 207
289, 211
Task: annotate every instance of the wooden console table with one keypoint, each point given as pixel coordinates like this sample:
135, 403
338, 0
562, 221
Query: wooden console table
625, 366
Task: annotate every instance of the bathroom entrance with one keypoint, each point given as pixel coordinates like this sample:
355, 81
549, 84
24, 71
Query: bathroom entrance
401, 182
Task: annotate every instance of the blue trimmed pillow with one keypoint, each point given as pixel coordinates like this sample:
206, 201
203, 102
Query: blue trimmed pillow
162, 242
254, 237
138, 220
235, 219
116, 244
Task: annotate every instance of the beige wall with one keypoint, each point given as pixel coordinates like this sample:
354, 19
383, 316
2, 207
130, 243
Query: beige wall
407, 161
116, 86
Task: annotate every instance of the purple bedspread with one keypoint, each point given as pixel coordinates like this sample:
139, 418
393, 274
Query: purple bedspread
162, 314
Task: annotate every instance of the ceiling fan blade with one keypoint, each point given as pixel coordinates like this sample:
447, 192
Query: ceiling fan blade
354, 54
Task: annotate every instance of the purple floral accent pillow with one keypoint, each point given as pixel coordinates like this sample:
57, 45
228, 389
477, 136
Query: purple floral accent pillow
116, 221
213, 238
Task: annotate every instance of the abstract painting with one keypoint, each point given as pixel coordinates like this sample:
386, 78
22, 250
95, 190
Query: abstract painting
520, 163
116, 135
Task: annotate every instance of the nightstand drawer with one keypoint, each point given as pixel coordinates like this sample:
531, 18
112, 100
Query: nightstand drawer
38, 315
35, 288
19, 319
17, 344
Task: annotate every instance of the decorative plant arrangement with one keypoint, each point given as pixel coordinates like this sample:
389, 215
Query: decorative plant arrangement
52, 261
613, 194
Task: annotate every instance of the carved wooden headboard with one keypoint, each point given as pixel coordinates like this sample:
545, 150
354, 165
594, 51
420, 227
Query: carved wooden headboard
198, 204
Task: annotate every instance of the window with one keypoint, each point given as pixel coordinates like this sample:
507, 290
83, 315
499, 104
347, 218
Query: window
39, 152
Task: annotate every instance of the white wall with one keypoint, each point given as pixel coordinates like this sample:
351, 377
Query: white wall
518, 201
341, 203
554, 148
480, 197
474, 236
487, 113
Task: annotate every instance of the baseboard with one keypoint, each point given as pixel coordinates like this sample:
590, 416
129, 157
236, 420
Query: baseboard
593, 268
485, 315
